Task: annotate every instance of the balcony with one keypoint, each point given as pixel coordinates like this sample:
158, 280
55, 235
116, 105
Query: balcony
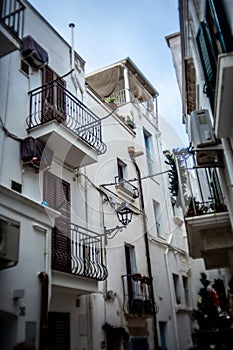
11, 25
126, 188
79, 252
137, 296
206, 216
223, 100
125, 87
68, 127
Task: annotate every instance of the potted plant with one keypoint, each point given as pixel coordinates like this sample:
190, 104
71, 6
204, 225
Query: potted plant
194, 207
130, 120
111, 102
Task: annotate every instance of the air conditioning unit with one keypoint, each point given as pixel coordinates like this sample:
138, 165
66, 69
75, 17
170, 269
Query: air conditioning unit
199, 128
35, 153
9, 242
33, 53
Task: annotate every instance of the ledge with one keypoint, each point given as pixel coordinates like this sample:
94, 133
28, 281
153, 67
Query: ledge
28, 207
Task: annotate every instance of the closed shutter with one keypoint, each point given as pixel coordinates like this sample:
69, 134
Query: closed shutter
57, 194
53, 97
208, 60
59, 331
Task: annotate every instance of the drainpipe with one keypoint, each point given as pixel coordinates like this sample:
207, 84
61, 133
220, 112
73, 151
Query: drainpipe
43, 343
172, 295
74, 77
133, 155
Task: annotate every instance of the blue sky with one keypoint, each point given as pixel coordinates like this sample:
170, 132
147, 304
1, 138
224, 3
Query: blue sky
108, 31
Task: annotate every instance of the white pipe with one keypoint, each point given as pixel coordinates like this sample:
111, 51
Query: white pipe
74, 77
171, 287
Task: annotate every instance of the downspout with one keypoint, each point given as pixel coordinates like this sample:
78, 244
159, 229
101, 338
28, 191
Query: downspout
172, 294
146, 240
43, 342
74, 77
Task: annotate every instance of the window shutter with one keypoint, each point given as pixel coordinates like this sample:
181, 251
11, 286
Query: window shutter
57, 194
218, 32
53, 97
208, 60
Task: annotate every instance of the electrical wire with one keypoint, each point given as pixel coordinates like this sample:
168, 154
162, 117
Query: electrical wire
8, 133
132, 180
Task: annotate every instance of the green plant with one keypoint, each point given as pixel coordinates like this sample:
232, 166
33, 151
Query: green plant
110, 99
130, 120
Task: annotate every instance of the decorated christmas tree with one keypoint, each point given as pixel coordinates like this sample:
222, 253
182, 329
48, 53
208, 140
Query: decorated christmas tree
214, 325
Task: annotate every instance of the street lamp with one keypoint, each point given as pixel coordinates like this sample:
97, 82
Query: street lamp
124, 215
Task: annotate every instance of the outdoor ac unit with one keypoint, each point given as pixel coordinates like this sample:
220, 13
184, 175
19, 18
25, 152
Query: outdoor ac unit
199, 128
9, 242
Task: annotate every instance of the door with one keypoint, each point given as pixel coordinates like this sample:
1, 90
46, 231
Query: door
139, 343
134, 304
53, 97
59, 331
57, 195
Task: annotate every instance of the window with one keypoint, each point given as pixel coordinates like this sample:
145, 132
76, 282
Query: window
149, 153
163, 334
121, 169
158, 219
24, 67
213, 38
186, 290
130, 259
176, 282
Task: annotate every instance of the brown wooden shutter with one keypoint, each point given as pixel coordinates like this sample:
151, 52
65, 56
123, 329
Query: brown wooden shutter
57, 194
53, 96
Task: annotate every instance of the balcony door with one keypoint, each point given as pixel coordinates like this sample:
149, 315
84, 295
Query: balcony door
130, 260
53, 97
57, 195
59, 330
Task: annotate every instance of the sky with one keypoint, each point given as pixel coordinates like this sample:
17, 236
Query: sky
109, 31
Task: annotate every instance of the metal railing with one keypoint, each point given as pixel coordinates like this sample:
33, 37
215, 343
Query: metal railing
84, 256
12, 16
127, 187
137, 294
200, 190
119, 98
53, 101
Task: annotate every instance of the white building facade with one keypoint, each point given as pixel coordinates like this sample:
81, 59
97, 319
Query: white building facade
205, 44
77, 152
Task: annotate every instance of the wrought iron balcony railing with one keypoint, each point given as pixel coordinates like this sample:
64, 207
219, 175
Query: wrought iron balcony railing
12, 16
79, 252
137, 294
53, 101
200, 190
127, 187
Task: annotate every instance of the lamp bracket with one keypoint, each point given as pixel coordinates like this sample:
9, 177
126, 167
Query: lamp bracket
109, 231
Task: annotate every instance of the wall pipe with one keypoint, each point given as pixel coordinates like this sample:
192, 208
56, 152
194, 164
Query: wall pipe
133, 154
73, 74
43, 342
